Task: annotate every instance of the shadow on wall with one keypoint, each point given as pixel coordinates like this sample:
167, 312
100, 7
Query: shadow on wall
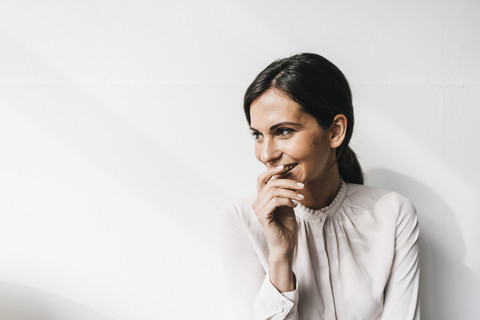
448, 288
23, 303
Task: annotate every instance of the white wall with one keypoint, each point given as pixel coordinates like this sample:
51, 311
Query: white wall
122, 133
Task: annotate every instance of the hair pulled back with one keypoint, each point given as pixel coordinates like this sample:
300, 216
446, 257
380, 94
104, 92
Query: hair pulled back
322, 91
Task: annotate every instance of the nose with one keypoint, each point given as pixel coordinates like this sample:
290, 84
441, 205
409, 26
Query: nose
270, 151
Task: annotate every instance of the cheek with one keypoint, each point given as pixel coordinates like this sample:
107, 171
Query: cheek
302, 151
258, 152
311, 154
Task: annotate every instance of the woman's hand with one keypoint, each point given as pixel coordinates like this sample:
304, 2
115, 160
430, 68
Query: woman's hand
274, 210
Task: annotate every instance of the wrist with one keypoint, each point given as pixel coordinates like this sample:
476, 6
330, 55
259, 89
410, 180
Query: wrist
281, 272
280, 258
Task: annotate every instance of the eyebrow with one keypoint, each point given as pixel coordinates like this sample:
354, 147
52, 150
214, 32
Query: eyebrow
285, 123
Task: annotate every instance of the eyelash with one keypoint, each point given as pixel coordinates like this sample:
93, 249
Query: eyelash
256, 135
279, 132
284, 131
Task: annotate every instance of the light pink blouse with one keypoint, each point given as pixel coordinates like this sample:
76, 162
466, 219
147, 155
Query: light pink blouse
355, 259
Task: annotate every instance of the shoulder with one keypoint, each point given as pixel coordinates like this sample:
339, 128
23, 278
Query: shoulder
380, 201
239, 206
238, 211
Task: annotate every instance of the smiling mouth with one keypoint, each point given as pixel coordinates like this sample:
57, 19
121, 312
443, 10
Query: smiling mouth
288, 167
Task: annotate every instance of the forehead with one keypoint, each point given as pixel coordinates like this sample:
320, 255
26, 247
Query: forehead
273, 107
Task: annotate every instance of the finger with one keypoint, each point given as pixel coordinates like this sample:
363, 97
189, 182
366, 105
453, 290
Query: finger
273, 188
267, 175
284, 184
275, 195
265, 213
284, 193
280, 184
264, 199
277, 203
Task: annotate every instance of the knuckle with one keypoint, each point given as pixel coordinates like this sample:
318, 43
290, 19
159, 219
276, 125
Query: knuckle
271, 193
273, 182
277, 200
275, 192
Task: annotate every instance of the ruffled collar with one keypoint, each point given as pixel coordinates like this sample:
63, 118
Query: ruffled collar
318, 215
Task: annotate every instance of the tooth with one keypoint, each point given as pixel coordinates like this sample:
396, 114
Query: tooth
288, 167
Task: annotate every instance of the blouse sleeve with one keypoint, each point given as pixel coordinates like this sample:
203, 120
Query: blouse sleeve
253, 295
401, 300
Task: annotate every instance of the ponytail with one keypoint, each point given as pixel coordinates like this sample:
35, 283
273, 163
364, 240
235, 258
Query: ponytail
349, 167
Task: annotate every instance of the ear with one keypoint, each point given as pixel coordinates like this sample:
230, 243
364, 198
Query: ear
338, 131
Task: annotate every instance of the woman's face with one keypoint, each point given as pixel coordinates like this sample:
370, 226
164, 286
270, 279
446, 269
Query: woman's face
285, 135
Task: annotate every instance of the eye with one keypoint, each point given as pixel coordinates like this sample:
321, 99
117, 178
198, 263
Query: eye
284, 132
256, 135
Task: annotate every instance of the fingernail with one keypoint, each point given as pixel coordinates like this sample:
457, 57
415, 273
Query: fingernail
300, 184
279, 167
301, 196
295, 203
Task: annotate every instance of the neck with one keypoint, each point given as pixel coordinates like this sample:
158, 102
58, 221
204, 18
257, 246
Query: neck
321, 192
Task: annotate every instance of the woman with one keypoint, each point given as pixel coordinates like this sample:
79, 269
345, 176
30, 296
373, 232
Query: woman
314, 242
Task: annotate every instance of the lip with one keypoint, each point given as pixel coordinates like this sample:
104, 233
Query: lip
286, 171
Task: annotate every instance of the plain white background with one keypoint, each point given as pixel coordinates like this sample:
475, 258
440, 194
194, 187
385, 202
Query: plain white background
122, 133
